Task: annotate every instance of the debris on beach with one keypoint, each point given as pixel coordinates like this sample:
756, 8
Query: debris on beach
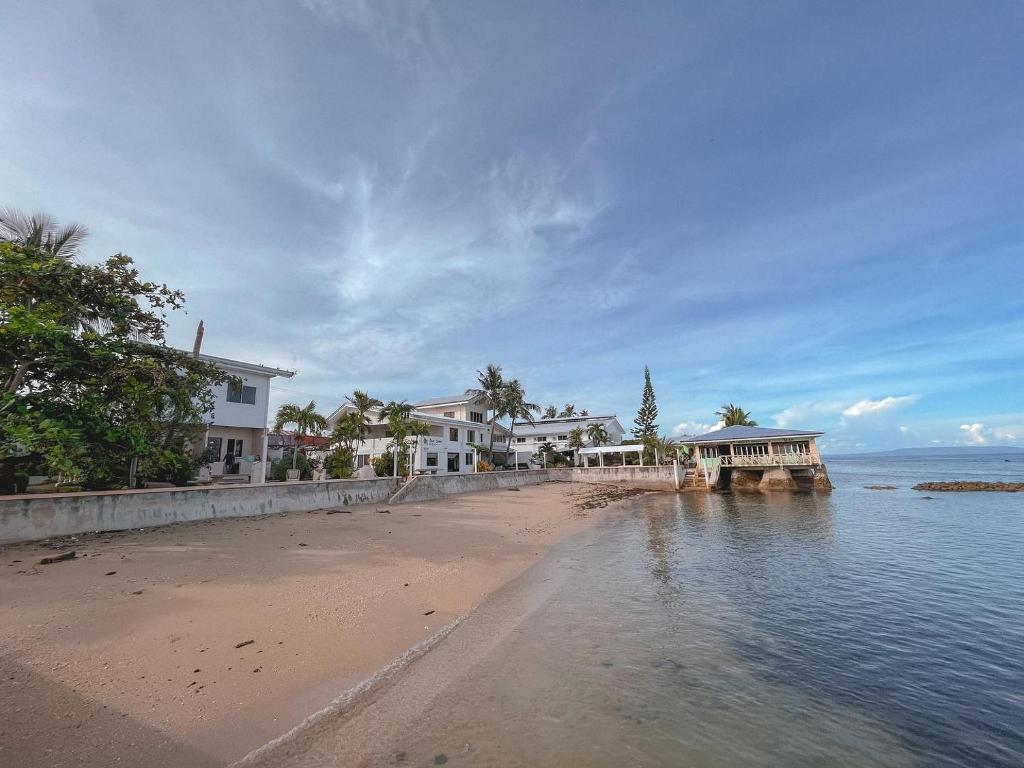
383, 511
110, 573
70, 555
244, 643
428, 613
339, 512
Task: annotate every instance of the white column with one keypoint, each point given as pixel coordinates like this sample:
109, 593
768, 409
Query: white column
675, 473
600, 459
264, 459
641, 454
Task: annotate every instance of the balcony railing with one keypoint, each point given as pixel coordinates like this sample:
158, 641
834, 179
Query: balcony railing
773, 460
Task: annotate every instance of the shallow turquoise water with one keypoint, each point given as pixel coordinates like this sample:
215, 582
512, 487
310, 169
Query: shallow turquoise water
857, 628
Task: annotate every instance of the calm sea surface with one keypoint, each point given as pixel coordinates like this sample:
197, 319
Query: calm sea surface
860, 628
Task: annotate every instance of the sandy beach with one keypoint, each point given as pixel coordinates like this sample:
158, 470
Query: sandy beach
194, 644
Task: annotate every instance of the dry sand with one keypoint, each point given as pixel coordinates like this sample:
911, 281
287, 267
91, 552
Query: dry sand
126, 655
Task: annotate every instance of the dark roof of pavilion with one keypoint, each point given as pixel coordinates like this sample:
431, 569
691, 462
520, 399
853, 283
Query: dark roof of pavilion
727, 434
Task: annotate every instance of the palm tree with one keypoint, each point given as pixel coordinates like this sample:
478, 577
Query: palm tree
398, 415
349, 430
568, 411
363, 404
598, 434
734, 416
576, 439
584, 412
550, 413
40, 230
492, 386
306, 420
516, 406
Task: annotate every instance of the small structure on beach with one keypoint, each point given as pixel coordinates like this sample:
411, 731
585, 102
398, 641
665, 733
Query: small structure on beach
759, 458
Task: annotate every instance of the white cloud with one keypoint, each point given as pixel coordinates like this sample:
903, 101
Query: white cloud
869, 407
974, 433
801, 413
694, 428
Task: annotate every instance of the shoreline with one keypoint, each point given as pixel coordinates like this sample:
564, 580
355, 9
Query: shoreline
141, 645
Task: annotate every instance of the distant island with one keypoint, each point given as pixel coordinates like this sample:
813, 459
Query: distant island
934, 452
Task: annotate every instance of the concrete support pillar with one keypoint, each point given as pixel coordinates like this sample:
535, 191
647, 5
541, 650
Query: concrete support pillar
821, 479
675, 474
261, 472
777, 479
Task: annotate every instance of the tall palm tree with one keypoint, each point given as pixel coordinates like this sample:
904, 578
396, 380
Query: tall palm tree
40, 230
492, 386
598, 434
363, 404
734, 416
306, 420
568, 411
550, 413
398, 416
584, 412
516, 406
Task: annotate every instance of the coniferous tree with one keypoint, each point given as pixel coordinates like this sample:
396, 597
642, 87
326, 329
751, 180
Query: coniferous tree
646, 426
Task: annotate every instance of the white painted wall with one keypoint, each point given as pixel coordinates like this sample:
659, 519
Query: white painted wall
226, 414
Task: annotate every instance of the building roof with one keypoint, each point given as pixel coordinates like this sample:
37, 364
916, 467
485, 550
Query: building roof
430, 418
547, 426
465, 397
238, 365
734, 434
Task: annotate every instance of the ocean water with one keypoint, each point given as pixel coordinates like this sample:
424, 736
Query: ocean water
857, 628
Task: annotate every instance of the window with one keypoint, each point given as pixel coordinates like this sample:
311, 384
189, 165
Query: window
234, 447
563, 437
520, 439
453, 434
239, 393
449, 414
476, 416
470, 436
793, 448
752, 449
499, 438
469, 459
431, 459
539, 439
453, 462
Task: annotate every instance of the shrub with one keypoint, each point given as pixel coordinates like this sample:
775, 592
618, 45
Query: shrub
484, 466
279, 469
338, 464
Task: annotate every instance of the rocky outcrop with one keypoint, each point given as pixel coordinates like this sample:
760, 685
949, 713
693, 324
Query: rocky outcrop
777, 479
963, 485
821, 479
744, 480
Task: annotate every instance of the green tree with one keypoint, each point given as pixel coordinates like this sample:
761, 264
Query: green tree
402, 426
363, 404
646, 429
598, 434
306, 420
516, 406
734, 416
584, 412
576, 438
492, 386
550, 412
99, 406
568, 411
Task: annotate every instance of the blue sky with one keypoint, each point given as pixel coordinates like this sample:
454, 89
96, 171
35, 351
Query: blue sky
813, 210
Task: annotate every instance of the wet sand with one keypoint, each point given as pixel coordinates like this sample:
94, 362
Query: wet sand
138, 652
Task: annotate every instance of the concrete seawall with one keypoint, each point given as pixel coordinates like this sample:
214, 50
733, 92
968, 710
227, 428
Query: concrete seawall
23, 518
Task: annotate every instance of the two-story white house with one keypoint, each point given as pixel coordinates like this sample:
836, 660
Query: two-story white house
237, 426
528, 438
458, 427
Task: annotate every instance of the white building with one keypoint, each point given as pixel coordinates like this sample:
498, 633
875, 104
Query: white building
457, 428
528, 438
239, 419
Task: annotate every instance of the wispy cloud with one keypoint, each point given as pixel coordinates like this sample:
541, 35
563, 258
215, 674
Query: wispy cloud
883, 405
